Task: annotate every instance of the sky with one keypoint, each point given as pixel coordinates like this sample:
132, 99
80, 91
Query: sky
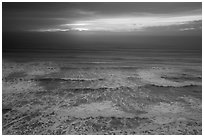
99, 25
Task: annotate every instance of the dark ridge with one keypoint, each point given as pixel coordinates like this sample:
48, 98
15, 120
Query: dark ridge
5, 110
66, 79
182, 78
12, 79
100, 89
86, 90
122, 87
99, 67
174, 92
160, 86
132, 78
190, 85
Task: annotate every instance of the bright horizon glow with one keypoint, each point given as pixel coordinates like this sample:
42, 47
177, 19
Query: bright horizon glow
126, 24
76, 24
80, 29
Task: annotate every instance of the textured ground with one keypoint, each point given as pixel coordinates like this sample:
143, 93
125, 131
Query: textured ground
62, 98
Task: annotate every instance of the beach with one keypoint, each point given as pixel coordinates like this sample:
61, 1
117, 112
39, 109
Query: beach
121, 91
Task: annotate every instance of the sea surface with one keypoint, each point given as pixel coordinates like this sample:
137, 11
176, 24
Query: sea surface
129, 57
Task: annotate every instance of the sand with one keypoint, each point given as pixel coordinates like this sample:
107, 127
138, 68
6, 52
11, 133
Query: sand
154, 76
57, 98
103, 109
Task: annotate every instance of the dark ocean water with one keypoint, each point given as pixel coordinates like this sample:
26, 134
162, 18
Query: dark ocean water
102, 48
129, 57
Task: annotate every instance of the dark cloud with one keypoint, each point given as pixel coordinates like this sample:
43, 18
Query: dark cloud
20, 15
18, 19
104, 7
